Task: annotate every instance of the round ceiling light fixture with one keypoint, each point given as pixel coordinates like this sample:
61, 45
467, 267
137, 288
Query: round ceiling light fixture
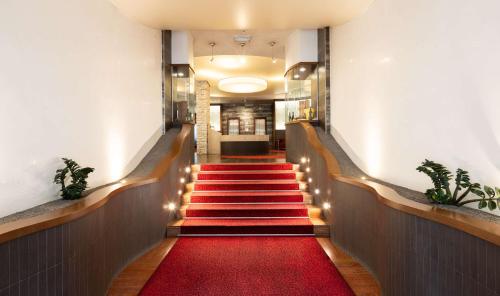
242, 85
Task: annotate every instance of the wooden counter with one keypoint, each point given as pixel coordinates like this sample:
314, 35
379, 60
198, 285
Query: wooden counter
244, 144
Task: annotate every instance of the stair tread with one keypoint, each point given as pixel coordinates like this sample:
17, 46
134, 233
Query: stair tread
278, 181
237, 193
245, 206
245, 222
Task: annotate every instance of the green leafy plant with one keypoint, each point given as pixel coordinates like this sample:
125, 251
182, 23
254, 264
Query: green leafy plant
442, 194
78, 176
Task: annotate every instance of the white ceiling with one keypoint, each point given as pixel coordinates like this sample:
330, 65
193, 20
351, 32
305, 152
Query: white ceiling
225, 44
241, 14
226, 66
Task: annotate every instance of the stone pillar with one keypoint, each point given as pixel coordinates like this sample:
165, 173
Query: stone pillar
202, 115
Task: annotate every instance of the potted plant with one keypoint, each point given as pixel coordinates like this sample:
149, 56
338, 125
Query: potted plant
442, 193
78, 176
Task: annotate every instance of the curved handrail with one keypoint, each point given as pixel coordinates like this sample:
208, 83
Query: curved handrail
95, 200
485, 230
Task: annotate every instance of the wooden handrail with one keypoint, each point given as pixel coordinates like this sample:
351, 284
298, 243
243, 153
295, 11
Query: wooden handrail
483, 229
95, 200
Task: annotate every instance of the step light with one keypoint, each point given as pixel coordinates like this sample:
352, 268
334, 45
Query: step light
182, 180
303, 160
310, 180
187, 170
316, 191
179, 192
308, 169
327, 206
171, 206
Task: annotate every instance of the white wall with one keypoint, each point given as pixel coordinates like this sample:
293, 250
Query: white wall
301, 46
182, 48
420, 79
77, 80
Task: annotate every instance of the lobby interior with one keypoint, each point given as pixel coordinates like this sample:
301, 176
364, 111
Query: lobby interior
254, 147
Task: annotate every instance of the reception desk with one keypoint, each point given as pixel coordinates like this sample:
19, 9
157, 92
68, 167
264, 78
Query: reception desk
244, 144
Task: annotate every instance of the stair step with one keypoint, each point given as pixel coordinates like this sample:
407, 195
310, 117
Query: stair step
245, 175
247, 197
221, 227
245, 210
246, 166
249, 185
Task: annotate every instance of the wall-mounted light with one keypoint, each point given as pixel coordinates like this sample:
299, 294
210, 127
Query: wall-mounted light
182, 180
316, 191
327, 206
170, 206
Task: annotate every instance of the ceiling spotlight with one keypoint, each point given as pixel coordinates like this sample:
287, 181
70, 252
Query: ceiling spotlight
296, 76
302, 69
180, 74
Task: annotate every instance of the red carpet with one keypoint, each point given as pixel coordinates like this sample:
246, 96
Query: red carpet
247, 211
290, 226
253, 185
246, 266
247, 197
242, 175
246, 166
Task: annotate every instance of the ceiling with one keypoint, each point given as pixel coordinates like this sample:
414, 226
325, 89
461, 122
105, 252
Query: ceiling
241, 14
225, 66
225, 44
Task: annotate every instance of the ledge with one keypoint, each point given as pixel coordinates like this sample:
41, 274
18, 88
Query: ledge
95, 200
485, 230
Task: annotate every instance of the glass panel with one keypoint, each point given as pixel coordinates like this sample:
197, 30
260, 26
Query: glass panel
234, 126
215, 117
260, 126
183, 94
280, 115
302, 92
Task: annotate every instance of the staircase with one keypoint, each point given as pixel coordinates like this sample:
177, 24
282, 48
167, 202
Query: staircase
248, 199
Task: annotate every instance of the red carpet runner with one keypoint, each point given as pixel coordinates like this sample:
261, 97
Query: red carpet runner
246, 199
246, 266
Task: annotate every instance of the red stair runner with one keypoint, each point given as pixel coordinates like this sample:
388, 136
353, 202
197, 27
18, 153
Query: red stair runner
246, 199
244, 175
246, 167
246, 185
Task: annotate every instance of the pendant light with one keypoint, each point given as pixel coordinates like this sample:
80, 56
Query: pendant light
212, 44
273, 58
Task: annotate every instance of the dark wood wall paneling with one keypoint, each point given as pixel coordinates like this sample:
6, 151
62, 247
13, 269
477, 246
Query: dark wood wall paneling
167, 77
408, 254
324, 78
247, 112
81, 257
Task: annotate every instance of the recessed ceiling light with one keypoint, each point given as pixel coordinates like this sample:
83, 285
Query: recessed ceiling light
302, 69
181, 74
296, 76
242, 85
